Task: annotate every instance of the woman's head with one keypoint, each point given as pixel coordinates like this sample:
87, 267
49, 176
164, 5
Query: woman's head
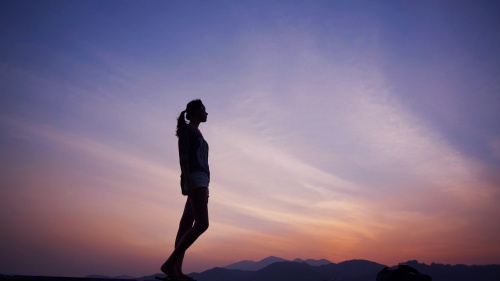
195, 111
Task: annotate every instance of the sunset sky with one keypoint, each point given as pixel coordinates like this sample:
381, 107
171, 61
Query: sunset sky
337, 129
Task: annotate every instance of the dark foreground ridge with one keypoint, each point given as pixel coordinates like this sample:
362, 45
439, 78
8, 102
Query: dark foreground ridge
55, 278
298, 270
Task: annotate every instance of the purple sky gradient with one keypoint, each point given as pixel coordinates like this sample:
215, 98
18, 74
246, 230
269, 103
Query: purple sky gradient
337, 130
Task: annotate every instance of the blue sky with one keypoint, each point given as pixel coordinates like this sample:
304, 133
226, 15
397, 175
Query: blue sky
337, 129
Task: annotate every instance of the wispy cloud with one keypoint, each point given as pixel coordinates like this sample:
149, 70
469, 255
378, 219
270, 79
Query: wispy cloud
398, 171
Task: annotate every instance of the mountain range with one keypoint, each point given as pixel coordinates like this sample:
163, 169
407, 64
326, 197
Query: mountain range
254, 266
278, 269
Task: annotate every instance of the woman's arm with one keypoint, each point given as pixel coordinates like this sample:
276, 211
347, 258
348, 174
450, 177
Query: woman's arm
184, 147
187, 178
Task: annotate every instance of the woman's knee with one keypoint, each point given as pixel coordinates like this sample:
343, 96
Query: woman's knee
202, 226
185, 224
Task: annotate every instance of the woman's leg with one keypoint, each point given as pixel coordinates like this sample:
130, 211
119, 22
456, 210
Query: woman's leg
198, 200
185, 224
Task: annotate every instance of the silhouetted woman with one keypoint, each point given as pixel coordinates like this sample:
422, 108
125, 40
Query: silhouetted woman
195, 177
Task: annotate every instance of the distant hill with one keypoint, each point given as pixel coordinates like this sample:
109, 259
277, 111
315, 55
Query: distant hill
288, 271
358, 270
296, 271
458, 272
313, 262
279, 269
252, 265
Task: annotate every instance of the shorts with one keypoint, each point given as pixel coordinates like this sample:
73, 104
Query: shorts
198, 180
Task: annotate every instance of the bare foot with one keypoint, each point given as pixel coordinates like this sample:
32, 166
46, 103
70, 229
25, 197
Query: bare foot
169, 271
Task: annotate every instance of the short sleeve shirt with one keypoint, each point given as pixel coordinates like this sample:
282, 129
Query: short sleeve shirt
193, 150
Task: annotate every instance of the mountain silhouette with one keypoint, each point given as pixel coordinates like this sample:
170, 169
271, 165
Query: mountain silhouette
458, 272
253, 266
352, 270
288, 271
305, 270
356, 270
313, 262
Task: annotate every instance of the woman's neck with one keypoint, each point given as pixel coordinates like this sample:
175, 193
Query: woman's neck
194, 123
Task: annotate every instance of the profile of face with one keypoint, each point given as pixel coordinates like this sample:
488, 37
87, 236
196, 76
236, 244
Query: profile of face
202, 114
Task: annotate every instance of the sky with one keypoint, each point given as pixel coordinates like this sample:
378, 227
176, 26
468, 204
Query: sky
337, 129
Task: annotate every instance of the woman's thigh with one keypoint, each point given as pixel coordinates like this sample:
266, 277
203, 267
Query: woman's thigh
199, 204
187, 216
